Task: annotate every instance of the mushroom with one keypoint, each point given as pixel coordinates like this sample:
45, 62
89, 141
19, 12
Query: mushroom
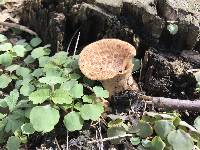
110, 62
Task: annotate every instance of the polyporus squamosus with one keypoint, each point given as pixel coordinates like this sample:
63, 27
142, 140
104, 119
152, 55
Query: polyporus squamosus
109, 61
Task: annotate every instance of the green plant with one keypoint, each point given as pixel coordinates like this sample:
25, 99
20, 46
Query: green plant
40, 87
159, 131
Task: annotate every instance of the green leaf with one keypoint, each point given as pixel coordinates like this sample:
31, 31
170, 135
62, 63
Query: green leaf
3, 103
146, 143
39, 52
77, 91
73, 121
163, 128
60, 58
78, 106
69, 84
12, 68
4, 81
2, 116
100, 92
22, 71
43, 61
52, 80
13, 143
39, 96
19, 50
44, 118
180, 140
135, 140
74, 76
145, 130
12, 123
38, 72
197, 123
12, 99
61, 97
91, 111
29, 59
3, 38
137, 64
35, 42
172, 28
6, 59
88, 98
27, 89
27, 128
116, 131
157, 144
5, 47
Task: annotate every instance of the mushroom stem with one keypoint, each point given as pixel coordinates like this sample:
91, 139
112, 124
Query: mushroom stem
121, 82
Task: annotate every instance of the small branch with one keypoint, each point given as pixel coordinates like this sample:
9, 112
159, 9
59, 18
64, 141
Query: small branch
110, 138
59, 148
20, 27
67, 140
170, 103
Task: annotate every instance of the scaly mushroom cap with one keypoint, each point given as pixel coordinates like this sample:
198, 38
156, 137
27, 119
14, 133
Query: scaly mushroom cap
106, 58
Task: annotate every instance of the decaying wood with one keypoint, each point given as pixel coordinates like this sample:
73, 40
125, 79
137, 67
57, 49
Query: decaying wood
169, 103
20, 27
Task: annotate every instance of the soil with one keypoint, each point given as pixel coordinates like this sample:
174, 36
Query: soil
166, 58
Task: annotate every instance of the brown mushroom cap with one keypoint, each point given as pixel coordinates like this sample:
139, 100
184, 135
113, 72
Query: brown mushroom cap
106, 58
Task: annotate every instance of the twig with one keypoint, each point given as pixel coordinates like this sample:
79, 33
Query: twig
72, 39
100, 135
75, 49
110, 138
67, 140
170, 103
20, 27
57, 143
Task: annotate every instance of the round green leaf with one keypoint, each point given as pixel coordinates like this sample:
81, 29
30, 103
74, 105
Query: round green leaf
27, 128
61, 97
52, 80
163, 128
91, 111
137, 64
44, 118
37, 72
180, 140
172, 28
116, 131
39, 96
3, 38
35, 42
19, 50
22, 71
39, 52
4, 81
6, 59
5, 47
88, 98
145, 130
43, 60
12, 68
29, 59
157, 144
73, 121
27, 89
13, 143
68, 85
60, 58
77, 91
135, 140
197, 123
100, 92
